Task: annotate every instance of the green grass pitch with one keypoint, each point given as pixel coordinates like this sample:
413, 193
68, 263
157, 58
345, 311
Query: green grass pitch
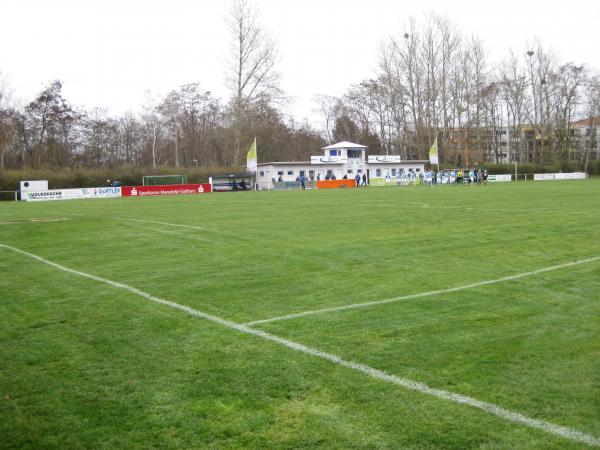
84, 364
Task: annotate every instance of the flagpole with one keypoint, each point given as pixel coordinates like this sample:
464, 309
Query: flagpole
252, 163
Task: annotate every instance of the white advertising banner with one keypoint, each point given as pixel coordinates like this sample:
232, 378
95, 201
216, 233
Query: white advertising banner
502, 178
570, 176
559, 176
383, 159
71, 194
327, 160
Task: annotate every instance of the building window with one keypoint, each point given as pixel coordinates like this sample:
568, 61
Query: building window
290, 172
302, 173
354, 153
418, 170
311, 173
393, 172
359, 171
378, 172
349, 170
334, 153
280, 172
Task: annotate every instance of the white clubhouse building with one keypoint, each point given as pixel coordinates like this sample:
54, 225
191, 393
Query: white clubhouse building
338, 160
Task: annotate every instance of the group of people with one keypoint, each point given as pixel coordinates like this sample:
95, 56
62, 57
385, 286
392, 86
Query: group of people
242, 186
361, 181
453, 177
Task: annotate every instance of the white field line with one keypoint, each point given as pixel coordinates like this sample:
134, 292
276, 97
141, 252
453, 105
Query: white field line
157, 222
182, 235
25, 221
511, 416
192, 227
421, 294
515, 210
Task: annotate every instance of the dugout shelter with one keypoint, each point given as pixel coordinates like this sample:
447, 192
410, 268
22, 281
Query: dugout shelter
236, 182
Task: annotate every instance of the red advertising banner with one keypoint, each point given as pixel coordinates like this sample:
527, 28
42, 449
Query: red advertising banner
334, 184
170, 189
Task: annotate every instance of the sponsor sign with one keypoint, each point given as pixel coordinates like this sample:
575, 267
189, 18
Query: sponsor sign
383, 159
335, 184
327, 160
70, 194
543, 176
500, 178
559, 176
171, 189
570, 176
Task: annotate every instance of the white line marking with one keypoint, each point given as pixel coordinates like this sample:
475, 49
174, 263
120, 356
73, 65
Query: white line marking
192, 227
420, 295
491, 408
181, 235
22, 221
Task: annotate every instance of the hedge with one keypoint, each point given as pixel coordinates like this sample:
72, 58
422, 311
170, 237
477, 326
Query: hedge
127, 176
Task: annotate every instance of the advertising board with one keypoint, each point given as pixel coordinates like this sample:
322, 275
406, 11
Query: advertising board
335, 184
171, 189
500, 178
384, 159
559, 176
570, 176
70, 194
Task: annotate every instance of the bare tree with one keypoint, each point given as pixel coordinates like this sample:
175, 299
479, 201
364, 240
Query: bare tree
592, 111
6, 115
152, 125
130, 138
251, 68
170, 110
328, 107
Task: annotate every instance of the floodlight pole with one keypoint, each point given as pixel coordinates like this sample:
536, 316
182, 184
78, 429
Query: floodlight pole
516, 170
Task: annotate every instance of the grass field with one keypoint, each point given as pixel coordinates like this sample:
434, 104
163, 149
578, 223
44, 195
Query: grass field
481, 328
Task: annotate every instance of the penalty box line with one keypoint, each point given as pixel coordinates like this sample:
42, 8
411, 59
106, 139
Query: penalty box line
421, 294
503, 413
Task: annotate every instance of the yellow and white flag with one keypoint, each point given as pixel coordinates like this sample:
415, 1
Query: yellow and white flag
251, 159
433, 153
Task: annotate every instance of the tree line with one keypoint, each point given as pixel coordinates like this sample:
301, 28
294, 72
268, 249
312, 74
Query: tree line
431, 82
188, 126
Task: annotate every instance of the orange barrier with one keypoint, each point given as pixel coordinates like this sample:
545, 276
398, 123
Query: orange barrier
334, 184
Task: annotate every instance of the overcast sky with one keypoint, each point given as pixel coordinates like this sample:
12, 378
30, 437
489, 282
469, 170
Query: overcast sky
108, 53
